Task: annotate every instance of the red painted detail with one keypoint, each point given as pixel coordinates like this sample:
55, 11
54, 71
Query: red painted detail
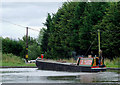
42, 55
95, 67
85, 62
79, 57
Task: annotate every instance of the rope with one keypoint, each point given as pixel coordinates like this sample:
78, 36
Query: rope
19, 25
90, 46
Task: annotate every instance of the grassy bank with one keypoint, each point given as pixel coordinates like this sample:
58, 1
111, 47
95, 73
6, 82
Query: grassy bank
115, 63
12, 60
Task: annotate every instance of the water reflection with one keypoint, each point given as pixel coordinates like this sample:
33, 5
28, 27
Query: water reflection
90, 78
32, 75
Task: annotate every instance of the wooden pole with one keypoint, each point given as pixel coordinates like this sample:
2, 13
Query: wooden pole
26, 56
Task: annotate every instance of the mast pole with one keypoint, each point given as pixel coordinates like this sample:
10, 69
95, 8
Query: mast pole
99, 41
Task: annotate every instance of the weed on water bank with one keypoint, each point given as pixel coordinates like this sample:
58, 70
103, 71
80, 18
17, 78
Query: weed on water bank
12, 60
115, 63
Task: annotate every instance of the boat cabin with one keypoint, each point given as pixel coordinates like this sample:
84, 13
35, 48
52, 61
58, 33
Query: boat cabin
90, 61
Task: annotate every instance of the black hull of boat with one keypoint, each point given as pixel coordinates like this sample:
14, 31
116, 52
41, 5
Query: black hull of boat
42, 65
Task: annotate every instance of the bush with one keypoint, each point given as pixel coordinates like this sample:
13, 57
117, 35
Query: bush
112, 63
10, 58
11, 46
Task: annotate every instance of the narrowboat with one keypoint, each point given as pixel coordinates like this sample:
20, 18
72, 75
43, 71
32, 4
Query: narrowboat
89, 64
83, 65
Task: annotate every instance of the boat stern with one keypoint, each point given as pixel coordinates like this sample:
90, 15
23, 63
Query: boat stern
98, 68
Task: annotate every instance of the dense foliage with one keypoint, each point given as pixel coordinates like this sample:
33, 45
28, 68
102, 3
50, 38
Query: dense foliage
74, 29
18, 47
11, 46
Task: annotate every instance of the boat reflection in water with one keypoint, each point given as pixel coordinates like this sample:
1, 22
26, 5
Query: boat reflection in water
100, 77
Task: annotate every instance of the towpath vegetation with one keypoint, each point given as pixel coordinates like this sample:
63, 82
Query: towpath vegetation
11, 60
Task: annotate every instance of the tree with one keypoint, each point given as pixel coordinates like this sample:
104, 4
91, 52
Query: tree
74, 28
40, 36
44, 43
110, 31
34, 51
11, 46
33, 47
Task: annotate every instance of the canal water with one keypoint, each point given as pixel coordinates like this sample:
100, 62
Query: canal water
33, 75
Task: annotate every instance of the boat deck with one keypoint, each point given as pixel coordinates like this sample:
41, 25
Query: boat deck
58, 66
52, 61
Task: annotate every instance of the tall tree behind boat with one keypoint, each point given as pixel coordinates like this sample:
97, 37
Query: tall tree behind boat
74, 28
110, 31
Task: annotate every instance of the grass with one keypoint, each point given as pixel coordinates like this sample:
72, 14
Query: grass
12, 60
115, 63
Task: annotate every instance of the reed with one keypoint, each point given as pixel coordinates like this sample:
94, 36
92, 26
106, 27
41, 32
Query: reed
115, 63
12, 60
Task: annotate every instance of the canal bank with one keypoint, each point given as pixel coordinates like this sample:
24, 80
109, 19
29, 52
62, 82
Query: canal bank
36, 67
59, 84
18, 67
